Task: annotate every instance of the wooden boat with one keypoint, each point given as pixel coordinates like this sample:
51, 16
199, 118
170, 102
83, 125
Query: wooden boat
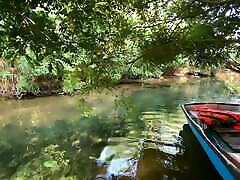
220, 141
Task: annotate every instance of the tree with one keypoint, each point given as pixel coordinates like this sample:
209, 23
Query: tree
94, 40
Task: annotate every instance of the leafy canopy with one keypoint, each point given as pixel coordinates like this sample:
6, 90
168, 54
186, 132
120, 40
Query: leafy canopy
99, 39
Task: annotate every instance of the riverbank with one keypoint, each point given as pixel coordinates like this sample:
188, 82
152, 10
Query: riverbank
42, 86
182, 75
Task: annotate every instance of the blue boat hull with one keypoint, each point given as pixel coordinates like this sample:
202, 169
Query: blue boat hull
217, 162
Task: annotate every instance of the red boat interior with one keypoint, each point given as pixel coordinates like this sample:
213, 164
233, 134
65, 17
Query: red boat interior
222, 118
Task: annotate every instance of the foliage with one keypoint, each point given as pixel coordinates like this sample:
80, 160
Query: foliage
89, 44
201, 30
4, 75
84, 109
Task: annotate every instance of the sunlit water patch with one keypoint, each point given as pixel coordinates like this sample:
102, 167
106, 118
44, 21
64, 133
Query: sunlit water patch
129, 133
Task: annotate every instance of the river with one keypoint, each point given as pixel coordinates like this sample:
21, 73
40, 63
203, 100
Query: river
135, 131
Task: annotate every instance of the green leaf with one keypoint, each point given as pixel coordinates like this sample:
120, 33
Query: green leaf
4, 75
50, 164
101, 3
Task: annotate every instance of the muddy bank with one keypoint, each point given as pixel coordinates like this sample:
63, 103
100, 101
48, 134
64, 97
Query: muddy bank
14, 88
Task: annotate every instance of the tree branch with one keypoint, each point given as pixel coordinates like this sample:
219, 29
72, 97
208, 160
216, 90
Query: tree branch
215, 2
173, 31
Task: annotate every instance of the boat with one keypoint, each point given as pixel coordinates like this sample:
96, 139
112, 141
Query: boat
217, 128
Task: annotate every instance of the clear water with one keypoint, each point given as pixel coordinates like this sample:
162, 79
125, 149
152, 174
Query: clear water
132, 132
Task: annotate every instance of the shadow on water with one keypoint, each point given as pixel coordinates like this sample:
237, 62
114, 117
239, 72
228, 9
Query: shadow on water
192, 163
139, 136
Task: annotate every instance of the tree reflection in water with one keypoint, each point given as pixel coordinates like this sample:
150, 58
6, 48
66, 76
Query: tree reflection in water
110, 145
189, 162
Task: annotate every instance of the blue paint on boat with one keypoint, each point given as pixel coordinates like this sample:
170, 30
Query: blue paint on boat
219, 165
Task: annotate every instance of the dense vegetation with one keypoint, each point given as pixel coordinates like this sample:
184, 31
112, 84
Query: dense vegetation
89, 44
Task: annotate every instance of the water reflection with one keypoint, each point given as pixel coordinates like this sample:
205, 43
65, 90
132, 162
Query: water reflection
133, 134
190, 164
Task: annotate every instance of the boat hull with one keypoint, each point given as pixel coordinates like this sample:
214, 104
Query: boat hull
214, 158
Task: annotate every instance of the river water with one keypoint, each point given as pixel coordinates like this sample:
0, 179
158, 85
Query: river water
136, 131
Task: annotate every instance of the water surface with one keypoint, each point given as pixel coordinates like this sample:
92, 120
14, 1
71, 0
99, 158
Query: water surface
133, 132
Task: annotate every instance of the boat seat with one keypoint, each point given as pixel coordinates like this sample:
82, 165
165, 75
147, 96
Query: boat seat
232, 139
233, 142
227, 130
